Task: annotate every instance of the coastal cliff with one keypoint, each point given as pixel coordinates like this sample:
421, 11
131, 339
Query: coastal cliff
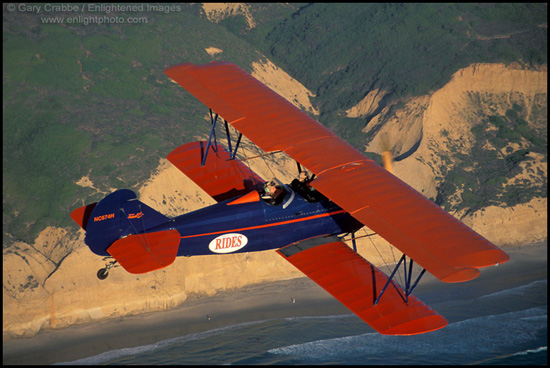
52, 284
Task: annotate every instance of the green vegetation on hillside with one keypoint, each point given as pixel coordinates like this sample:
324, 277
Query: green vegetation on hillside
342, 51
93, 99
482, 176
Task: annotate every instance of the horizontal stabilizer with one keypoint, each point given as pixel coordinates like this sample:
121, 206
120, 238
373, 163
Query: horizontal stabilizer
146, 252
221, 177
356, 283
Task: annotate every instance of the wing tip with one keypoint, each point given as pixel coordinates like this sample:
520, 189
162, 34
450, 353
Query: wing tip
172, 70
417, 326
175, 69
483, 258
460, 275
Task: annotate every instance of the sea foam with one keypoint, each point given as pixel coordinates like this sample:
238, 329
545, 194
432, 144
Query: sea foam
472, 336
119, 353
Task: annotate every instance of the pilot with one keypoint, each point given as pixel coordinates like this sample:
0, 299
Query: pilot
272, 193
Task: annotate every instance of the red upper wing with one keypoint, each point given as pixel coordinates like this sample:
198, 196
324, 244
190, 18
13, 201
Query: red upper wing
437, 241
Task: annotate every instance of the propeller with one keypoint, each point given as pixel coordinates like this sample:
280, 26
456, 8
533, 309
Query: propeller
387, 158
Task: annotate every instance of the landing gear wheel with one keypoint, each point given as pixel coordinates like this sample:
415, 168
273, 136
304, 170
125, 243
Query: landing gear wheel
102, 273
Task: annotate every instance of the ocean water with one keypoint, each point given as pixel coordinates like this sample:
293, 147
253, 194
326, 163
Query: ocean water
501, 320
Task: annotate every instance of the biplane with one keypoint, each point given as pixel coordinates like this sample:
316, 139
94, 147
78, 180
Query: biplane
303, 220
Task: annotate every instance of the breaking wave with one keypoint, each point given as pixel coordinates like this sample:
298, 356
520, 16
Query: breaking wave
472, 336
497, 337
119, 353
520, 290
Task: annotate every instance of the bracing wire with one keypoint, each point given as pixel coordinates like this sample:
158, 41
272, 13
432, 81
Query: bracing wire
264, 160
402, 282
380, 255
146, 244
386, 265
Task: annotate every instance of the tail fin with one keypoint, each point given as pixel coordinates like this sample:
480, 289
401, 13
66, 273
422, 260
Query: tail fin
117, 215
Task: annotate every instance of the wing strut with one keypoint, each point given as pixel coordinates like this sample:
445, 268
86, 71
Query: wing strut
237, 145
353, 242
213, 120
408, 288
212, 136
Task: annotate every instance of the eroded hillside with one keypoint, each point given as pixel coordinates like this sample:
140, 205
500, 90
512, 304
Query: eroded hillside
485, 112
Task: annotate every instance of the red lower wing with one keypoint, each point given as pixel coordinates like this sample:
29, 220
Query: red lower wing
221, 177
356, 283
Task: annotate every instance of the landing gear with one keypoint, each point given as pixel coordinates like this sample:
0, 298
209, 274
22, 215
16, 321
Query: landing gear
104, 272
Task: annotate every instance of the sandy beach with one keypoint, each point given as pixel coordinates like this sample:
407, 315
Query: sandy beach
254, 303
197, 314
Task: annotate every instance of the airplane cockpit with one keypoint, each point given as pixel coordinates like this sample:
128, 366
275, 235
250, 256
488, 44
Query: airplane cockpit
275, 193
305, 190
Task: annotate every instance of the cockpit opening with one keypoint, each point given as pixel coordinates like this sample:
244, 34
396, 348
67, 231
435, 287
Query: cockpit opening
273, 192
305, 190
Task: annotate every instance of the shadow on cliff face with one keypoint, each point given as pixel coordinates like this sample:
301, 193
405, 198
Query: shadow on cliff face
387, 129
410, 151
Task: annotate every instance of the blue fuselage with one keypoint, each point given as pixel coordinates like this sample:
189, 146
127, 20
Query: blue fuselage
257, 226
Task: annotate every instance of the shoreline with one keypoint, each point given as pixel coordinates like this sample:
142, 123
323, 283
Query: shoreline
253, 303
